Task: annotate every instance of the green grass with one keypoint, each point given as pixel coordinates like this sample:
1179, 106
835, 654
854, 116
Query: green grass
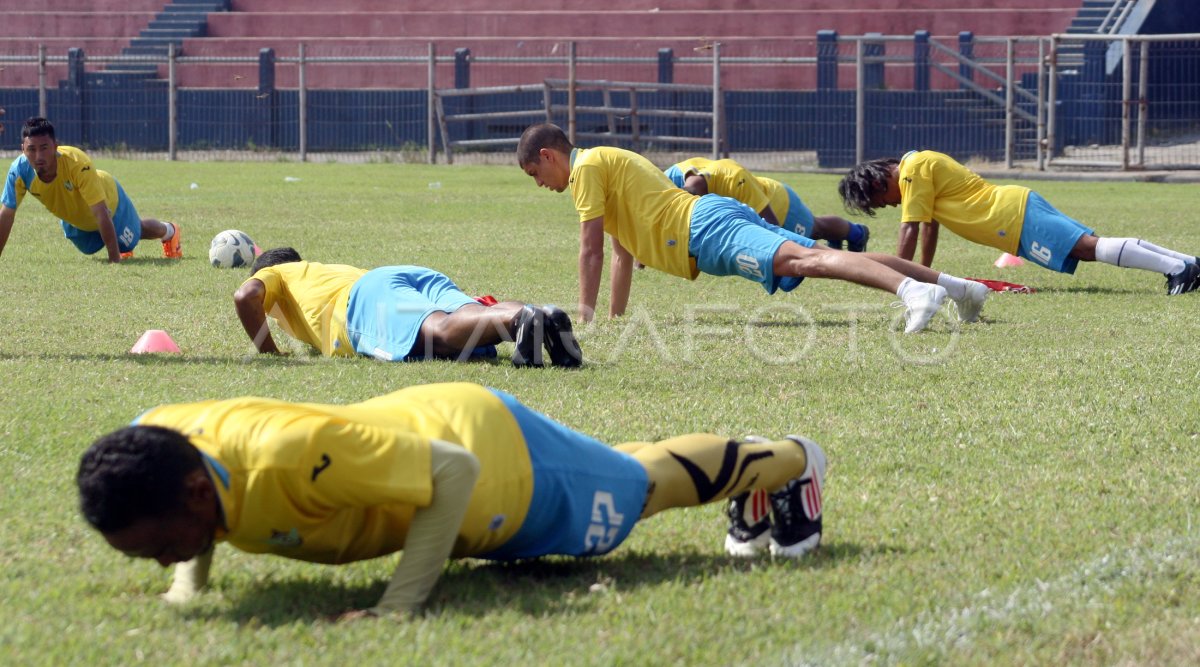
1021, 491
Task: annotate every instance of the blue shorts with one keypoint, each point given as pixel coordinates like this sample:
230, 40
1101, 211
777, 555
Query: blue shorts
388, 305
587, 496
799, 219
125, 221
1048, 236
729, 239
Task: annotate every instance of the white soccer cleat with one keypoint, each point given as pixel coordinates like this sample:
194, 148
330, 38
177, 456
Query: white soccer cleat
971, 305
923, 302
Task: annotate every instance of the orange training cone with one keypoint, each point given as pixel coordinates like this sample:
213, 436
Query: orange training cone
155, 340
1009, 260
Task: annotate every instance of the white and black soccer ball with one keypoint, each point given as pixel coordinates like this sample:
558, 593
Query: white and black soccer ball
231, 249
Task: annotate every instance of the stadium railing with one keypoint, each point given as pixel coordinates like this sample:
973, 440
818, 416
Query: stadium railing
1131, 102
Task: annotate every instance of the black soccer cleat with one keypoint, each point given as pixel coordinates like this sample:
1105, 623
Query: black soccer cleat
796, 508
560, 340
748, 536
529, 335
1187, 280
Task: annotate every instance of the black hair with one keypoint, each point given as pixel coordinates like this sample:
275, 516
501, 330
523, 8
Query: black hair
37, 126
539, 136
132, 474
863, 182
275, 256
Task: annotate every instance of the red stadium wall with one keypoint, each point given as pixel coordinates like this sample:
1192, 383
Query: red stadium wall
510, 28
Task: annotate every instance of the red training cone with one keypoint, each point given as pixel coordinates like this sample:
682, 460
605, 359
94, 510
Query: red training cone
1009, 260
154, 340
257, 250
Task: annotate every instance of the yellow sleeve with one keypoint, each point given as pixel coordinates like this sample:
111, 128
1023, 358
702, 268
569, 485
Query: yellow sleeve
917, 191
587, 191
87, 180
272, 286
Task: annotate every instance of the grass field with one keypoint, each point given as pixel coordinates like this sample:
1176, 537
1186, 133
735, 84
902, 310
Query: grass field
1019, 491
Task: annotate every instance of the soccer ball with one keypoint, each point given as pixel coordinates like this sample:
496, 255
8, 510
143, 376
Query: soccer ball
231, 249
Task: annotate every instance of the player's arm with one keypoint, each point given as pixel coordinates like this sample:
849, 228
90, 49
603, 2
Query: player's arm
929, 241
248, 300
769, 215
620, 277
591, 262
7, 217
907, 245
433, 529
190, 578
108, 232
696, 184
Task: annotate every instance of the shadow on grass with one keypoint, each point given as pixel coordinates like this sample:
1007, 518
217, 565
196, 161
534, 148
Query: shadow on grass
535, 587
820, 323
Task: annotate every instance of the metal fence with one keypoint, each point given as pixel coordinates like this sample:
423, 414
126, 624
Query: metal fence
1096, 101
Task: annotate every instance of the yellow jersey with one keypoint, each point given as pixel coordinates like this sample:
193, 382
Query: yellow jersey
76, 188
309, 301
340, 483
642, 209
729, 179
934, 187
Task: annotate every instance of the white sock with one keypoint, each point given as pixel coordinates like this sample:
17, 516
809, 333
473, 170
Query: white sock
1128, 253
955, 287
1166, 251
170, 232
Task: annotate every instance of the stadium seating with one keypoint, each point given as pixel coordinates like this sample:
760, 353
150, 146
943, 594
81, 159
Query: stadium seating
622, 28
507, 28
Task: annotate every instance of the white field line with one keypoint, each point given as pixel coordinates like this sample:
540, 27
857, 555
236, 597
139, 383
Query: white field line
1091, 585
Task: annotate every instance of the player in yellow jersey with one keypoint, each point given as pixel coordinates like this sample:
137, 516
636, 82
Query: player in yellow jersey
95, 212
622, 194
932, 189
393, 313
776, 202
438, 471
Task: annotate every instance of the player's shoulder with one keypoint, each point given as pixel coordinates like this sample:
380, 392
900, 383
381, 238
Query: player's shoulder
607, 155
73, 153
694, 164
727, 164
75, 159
21, 168
931, 157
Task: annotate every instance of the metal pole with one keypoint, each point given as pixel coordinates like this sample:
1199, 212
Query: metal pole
1008, 104
42, 80
1041, 105
1143, 100
1050, 110
303, 107
1126, 101
172, 105
431, 112
571, 93
716, 101
860, 110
